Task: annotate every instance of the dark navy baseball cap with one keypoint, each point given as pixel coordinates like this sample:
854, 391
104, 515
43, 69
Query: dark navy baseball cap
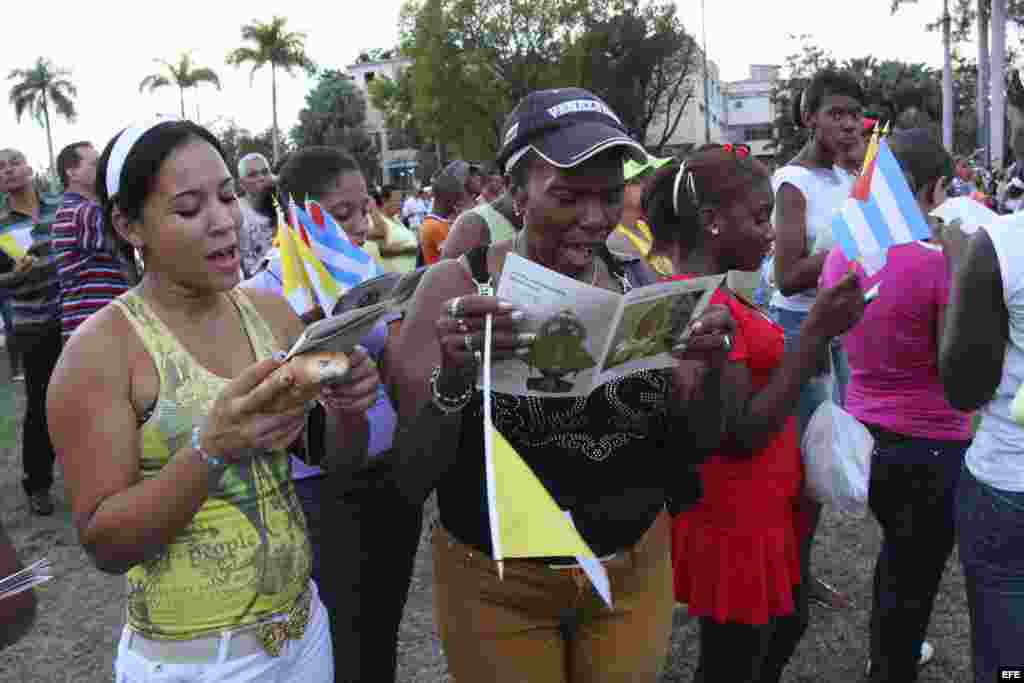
565, 127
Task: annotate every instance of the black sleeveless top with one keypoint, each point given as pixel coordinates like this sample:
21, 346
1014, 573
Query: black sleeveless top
604, 457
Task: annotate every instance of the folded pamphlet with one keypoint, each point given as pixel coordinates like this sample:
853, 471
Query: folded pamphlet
341, 332
588, 336
36, 573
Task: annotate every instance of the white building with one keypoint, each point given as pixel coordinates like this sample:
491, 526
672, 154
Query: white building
750, 114
397, 160
703, 120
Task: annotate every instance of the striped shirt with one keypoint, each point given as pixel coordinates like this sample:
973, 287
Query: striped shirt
92, 274
35, 294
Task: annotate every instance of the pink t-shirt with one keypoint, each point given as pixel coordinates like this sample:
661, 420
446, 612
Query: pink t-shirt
893, 350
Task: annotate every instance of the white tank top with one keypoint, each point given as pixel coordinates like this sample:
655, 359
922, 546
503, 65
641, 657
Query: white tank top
997, 455
824, 190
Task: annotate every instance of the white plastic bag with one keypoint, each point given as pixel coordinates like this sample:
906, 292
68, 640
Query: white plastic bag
837, 460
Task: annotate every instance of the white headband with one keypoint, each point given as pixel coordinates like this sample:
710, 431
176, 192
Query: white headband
125, 141
690, 187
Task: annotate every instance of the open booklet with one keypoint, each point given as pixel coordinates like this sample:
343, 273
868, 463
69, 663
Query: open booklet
341, 332
588, 336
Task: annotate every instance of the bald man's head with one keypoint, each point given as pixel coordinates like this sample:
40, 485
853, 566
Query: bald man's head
15, 173
254, 175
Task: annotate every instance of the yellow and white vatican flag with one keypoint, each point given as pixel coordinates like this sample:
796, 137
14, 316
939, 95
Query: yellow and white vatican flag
297, 287
525, 520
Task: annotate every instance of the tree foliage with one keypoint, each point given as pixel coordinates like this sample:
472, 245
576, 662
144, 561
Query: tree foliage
394, 99
472, 60
39, 87
907, 95
964, 13
335, 115
640, 60
377, 54
183, 74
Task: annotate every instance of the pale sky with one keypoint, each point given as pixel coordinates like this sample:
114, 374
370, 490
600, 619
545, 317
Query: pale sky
109, 47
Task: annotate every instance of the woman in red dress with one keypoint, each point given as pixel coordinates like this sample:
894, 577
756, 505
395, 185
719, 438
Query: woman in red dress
736, 553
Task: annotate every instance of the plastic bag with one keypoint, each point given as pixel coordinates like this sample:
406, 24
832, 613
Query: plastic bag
837, 460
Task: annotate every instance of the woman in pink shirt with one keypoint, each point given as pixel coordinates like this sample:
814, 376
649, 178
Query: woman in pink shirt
920, 440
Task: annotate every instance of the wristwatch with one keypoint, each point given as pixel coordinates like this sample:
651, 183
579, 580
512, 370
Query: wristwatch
215, 462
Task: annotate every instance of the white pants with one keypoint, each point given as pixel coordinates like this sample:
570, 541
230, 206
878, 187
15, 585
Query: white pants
309, 660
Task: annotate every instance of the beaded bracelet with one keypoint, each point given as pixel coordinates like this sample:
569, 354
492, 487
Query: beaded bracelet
449, 405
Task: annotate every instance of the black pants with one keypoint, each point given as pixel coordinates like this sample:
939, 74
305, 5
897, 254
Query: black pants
365, 537
912, 495
13, 357
753, 654
39, 352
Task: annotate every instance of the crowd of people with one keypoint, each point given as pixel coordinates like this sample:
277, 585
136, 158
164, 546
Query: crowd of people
148, 315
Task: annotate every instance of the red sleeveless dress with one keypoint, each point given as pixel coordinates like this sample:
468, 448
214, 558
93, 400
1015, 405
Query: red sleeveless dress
736, 553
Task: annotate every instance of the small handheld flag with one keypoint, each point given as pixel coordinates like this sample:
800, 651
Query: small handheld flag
881, 211
348, 264
16, 238
321, 282
525, 520
297, 287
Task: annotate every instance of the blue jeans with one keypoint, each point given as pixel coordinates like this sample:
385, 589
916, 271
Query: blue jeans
913, 496
815, 392
990, 527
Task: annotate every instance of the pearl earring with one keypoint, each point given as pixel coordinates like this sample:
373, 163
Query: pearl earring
714, 231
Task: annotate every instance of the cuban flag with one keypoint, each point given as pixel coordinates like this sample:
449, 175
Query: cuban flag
881, 211
347, 264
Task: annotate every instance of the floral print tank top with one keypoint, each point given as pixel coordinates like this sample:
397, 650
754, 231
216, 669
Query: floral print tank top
245, 556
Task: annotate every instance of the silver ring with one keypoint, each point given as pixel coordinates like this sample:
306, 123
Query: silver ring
453, 307
461, 325
468, 341
727, 342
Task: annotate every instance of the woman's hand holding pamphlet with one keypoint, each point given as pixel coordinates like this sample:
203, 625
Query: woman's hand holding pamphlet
320, 356
588, 336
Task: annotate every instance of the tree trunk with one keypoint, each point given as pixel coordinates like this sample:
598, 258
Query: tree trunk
947, 82
981, 100
49, 135
997, 113
273, 96
181, 98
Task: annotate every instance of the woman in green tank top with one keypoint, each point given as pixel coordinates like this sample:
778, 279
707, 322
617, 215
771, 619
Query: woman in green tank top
176, 474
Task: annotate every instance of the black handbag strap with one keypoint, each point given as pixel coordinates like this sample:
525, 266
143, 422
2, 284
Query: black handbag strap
477, 260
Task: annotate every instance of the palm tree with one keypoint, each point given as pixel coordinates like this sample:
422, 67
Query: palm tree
184, 74
37, 88
272, 44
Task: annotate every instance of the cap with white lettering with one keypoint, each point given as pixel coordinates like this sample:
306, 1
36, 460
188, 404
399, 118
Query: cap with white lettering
565, 127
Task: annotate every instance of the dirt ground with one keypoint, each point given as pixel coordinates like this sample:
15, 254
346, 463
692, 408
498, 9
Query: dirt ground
80, 611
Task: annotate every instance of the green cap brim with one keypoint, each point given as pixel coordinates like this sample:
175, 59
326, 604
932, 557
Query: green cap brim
633, 169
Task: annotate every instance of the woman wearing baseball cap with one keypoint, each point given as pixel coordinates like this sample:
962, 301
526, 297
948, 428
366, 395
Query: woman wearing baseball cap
612, 460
